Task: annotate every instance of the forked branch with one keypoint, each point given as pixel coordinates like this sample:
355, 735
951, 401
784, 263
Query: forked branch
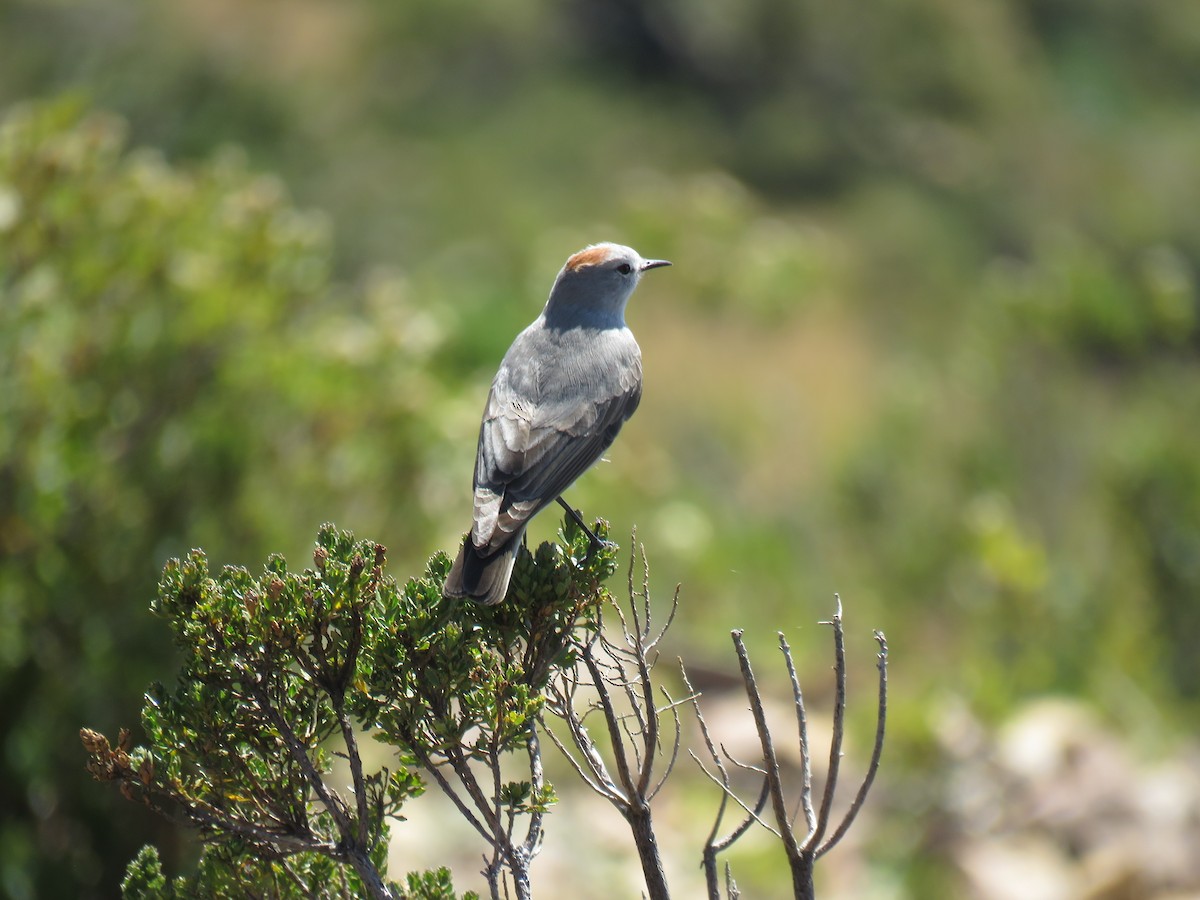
803, 851
619, 685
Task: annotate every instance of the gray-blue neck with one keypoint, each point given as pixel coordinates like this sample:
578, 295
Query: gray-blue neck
576, 306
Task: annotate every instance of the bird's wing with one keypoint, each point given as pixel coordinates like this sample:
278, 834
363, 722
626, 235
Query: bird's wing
531, 451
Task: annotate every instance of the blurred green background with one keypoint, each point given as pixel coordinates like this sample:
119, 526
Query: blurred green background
930, 341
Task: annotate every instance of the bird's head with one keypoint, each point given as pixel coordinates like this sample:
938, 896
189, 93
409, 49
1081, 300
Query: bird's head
598, 280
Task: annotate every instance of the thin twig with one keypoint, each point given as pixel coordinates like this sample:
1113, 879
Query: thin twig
461, 766
800, 868
810, 815
575, 764
673, 708
732, 795
614, 729
742, 765
459, 803
876, 752
753, 816
651, 742
731, 888
537, 781
839, 719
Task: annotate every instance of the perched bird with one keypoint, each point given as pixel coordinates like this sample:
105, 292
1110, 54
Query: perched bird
564, 389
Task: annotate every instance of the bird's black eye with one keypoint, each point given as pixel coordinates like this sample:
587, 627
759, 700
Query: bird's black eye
624, 268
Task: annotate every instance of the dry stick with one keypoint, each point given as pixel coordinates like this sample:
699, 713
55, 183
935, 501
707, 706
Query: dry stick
599, 780
620, 677
499, 836
800, 866
638, 815
732, 795
731, 888
633, 553
801, 857
490, 811
634, 736
628, 791
444, 783
604, 783
810, 817
876, 753
612, 722
673, 707
641, 825
839, 719
520, 857
643, 645
651, 714
583, 740
537, 781
632, 805
712, 846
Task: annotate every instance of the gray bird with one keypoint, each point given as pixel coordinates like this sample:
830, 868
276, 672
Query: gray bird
564, 389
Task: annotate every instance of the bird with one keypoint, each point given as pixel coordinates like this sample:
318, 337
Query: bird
565, 387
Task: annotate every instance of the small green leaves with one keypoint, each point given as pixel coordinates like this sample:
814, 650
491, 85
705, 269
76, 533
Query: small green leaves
519, 796
444, 669
144, 879
282, 668
435, 885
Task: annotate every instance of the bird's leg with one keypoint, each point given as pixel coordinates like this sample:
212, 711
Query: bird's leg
593, 541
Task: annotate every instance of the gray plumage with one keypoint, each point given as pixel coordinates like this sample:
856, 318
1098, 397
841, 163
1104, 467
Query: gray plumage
564, 389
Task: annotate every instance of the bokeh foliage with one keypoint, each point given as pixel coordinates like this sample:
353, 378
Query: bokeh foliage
167, 377
930, 340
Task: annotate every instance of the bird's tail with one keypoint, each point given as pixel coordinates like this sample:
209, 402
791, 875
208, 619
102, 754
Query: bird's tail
482, 576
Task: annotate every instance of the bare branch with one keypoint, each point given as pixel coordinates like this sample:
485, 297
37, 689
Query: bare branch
619, 664
753, 816
767, 743
876, 753
713, 845
839, 719
459, 803
537, 781
673, 708
810, 816
575, 764
731, 888
670, 619
729, 793
612, 722
741, 765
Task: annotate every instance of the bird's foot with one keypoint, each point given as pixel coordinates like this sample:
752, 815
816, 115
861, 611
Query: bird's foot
594, 541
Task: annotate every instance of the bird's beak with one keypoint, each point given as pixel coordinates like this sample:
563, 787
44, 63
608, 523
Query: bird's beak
654, 264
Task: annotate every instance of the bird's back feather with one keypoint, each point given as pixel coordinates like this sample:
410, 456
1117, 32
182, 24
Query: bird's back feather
543, 428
